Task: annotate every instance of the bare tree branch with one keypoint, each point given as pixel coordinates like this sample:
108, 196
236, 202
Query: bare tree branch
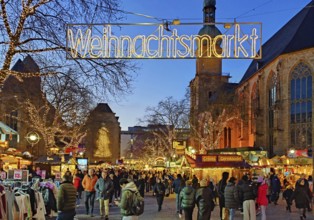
38, 28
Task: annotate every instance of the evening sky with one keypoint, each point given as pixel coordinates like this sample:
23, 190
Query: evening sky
158, 79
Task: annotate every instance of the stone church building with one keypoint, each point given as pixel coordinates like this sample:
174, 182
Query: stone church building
271, 107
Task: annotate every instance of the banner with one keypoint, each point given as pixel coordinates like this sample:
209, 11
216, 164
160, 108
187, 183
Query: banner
17, 175
154, 41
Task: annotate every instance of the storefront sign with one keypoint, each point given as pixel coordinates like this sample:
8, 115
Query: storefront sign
100, 41
230, 158
82, 163
180, 151
172, 164
297, 153
209, 158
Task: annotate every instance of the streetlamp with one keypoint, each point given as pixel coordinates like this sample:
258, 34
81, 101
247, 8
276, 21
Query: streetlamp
32, 138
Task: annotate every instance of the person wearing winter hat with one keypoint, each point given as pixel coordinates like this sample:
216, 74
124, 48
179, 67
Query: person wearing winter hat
262, 200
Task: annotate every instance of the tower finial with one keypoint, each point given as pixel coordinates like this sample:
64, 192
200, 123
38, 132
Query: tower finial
209, 3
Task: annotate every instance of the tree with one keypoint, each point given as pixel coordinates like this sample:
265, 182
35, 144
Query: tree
58, 115
224, 108
210, 129
38, 27
164, 121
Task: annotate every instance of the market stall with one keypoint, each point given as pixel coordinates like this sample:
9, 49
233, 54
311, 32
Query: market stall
8, 136
212, 166
286, 168
12, 161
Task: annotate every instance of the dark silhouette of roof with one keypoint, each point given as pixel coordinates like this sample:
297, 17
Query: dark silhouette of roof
19, 66
297, 34
28, 65
103, 107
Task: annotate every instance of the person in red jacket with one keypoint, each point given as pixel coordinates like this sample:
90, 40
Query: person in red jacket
262, 200
77, 182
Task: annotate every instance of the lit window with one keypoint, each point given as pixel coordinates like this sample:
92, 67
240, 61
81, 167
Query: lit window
301, 106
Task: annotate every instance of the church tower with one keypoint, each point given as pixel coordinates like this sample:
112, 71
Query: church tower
208, 78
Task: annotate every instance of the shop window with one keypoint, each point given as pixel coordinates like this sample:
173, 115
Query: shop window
301, 106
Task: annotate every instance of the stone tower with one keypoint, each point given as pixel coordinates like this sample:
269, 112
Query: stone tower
208, 78
103, 135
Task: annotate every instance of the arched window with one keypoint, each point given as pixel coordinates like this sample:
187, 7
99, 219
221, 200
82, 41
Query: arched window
254, 107
301, 106
273, 98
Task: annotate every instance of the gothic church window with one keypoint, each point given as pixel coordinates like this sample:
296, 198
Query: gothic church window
273, 98
301, 106
254, 107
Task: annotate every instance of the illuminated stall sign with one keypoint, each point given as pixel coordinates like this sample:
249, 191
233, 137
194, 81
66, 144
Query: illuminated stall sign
110, 41
230, 158
209, 158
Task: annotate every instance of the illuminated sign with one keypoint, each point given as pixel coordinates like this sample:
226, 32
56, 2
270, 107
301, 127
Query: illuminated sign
230, 158
209, 158
101, 41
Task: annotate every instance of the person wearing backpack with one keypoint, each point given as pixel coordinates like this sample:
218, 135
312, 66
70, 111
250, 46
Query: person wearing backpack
187, 200
159, 191
128, 192
204, 200
247, 194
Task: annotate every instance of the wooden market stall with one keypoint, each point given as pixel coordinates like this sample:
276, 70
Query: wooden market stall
212, 166
11, 161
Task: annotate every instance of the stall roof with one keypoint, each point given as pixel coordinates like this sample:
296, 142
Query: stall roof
239, 149
52, 159
5, 129
213, 161
55, 159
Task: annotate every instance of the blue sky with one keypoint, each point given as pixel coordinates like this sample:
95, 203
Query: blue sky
158, 79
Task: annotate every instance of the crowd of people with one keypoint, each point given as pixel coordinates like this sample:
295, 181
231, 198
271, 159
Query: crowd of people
248, 195
252, 197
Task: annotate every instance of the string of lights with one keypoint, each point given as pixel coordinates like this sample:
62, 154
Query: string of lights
220, 18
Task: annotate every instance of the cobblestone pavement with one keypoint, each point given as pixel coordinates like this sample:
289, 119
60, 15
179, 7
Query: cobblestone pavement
168, 211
